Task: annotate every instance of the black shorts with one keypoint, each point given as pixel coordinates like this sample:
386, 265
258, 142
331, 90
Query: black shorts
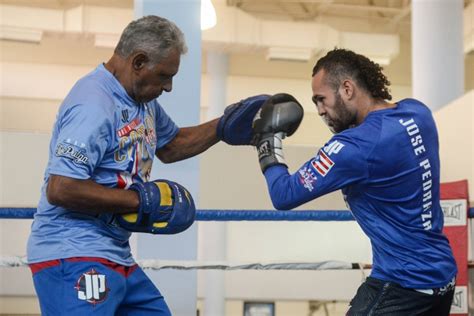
377, 297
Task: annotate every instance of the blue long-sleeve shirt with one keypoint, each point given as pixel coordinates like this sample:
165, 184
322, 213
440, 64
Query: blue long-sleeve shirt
389, 172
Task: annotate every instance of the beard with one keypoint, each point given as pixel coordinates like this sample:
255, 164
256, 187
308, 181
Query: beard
342, 119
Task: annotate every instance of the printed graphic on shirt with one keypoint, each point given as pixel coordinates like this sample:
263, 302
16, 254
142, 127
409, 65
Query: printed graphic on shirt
322, 163
137, 143
72, 150
413, 131
333, 148
307, 178
91, 287
125, 131
125, 117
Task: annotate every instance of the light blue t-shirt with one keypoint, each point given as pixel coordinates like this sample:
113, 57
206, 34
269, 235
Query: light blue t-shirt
103, 135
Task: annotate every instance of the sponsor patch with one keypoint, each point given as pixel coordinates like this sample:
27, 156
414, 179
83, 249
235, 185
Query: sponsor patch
322, 163
91, 287
307, 178
76, 154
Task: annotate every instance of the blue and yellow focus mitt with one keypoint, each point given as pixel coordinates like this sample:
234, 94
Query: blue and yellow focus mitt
166, 207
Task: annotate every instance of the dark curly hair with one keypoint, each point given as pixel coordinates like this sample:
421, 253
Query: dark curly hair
340, 64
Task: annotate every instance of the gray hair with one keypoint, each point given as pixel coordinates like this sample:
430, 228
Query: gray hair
154, 35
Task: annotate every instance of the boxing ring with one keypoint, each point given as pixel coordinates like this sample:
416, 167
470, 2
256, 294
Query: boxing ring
455, 208
223, 216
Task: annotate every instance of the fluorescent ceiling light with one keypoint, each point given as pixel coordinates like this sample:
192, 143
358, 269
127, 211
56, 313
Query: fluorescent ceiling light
289, 53
208, 15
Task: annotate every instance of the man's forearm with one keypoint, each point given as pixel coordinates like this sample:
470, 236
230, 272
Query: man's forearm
89, 197
189, 142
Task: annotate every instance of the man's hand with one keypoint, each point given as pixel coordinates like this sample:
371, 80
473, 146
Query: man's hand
235, 126
166, 207
280, 116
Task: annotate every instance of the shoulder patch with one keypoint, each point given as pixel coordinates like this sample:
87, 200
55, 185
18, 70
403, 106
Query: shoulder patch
322, 163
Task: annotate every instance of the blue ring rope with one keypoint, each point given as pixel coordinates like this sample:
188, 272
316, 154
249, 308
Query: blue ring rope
229, 215
223, 215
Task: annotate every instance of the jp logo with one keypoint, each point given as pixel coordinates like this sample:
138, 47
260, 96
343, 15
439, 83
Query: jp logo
91, 287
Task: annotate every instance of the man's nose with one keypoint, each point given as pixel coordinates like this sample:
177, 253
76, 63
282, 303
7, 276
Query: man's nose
168, 86
321, 110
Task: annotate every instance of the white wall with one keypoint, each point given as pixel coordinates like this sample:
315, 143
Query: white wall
456, 140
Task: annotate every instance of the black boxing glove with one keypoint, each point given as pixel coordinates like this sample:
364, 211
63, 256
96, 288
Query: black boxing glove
280, 116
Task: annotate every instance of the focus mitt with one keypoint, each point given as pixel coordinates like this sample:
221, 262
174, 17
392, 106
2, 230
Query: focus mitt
235, 126
166, 207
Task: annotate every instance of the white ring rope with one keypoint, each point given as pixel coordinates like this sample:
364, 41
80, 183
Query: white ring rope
192, 265
152, 264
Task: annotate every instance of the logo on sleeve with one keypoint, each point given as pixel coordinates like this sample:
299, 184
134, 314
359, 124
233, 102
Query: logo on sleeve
73, 152
333, 148
307, 178
264, 149
91, 287
322, 163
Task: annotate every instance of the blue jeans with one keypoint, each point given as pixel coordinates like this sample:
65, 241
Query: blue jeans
377, 297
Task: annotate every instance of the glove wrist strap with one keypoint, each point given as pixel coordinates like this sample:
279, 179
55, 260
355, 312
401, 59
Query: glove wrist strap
270, 150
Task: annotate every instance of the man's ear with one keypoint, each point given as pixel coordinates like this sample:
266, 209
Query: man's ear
139, 60
347, 89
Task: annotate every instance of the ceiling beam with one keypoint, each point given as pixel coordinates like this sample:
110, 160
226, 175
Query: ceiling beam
323, 5
406, 10
353, 7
